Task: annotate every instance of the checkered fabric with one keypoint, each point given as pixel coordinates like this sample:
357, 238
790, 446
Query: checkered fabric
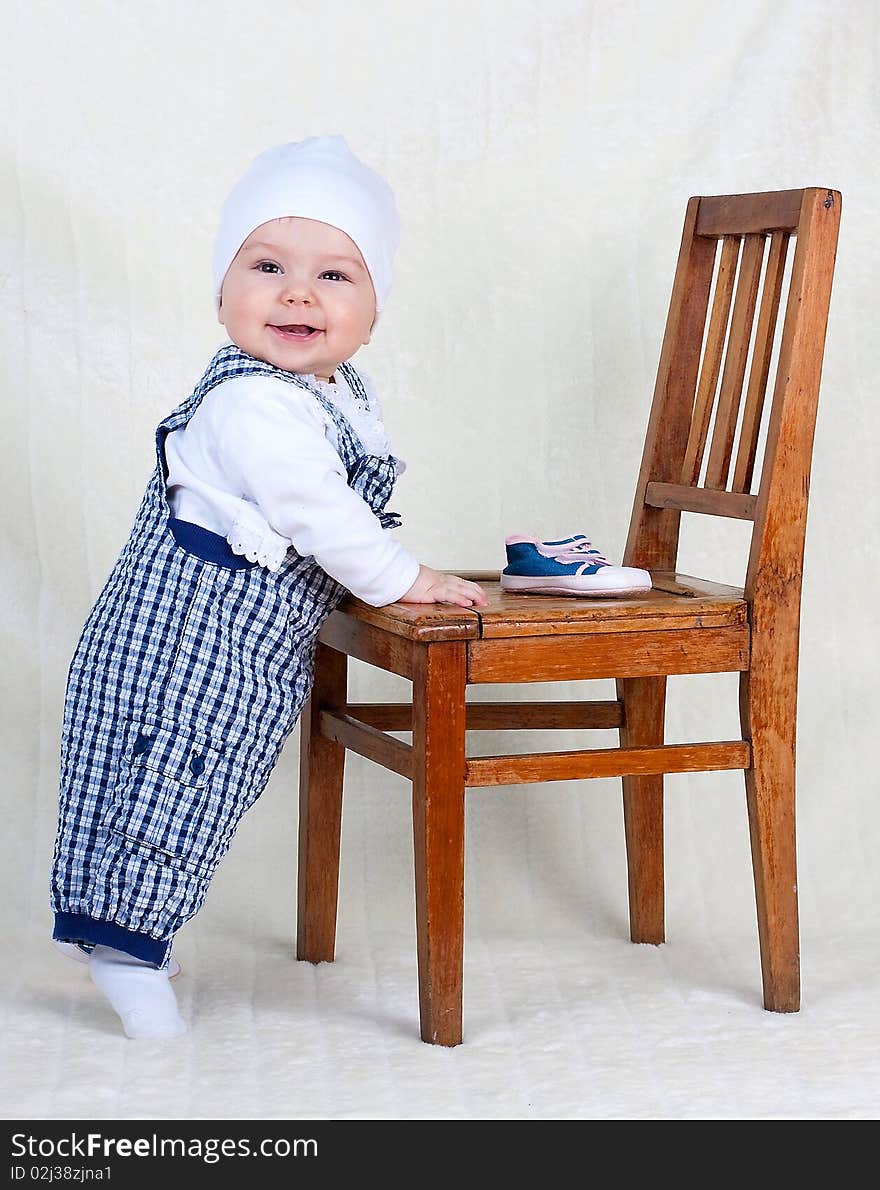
187, 678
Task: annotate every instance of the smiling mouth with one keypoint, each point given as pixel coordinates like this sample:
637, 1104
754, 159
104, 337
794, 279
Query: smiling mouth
297, 330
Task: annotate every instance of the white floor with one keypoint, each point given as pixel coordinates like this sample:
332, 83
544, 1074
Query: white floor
556, 1028
563, 1017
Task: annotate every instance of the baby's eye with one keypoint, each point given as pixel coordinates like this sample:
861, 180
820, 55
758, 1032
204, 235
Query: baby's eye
334, 273
270, 263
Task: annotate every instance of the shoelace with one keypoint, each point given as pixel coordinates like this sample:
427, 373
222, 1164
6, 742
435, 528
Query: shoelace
578, 552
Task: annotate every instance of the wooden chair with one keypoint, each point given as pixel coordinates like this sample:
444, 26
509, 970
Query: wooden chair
684, 625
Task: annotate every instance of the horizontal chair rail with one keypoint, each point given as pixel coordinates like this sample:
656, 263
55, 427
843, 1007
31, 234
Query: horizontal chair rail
606, 762
618, 655
740, 505
368, 741
500, 716
745, 214
384, 650
393, 754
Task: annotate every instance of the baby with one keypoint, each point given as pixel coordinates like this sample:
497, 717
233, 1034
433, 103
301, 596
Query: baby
266, 506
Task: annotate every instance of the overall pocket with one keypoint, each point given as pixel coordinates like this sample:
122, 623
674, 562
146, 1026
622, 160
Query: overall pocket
167, 798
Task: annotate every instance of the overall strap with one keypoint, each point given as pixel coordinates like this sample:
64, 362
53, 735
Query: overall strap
229, 362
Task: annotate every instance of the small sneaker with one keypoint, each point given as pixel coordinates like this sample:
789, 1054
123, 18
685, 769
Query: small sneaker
571, 566
80, 952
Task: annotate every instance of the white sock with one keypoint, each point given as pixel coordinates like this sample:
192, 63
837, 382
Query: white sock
141, 994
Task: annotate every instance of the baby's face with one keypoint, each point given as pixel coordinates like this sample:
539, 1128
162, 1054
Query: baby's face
298, 272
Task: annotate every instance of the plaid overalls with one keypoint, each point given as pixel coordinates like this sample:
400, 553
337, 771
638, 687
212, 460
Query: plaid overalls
191, 671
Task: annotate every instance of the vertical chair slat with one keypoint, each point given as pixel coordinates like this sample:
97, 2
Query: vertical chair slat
653, 533
751, 423
735, 362
711, 366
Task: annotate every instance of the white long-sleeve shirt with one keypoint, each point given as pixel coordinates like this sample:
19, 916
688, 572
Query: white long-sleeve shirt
257, 463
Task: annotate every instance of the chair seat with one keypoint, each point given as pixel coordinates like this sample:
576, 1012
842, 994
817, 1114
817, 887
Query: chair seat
676, 601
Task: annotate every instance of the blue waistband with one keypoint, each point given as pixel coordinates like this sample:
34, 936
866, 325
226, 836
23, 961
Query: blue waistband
211, 547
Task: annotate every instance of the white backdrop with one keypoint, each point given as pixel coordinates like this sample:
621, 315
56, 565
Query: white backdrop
542, 155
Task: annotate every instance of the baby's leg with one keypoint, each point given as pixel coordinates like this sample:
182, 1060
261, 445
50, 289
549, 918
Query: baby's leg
141, 994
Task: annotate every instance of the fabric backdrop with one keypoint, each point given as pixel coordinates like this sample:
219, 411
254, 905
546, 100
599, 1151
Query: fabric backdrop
542, 155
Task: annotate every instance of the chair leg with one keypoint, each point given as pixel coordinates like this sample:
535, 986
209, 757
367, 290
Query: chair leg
644, 702
321, 768
439, 681
768, 721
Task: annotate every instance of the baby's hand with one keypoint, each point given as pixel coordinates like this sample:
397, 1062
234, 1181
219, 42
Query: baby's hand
433, 586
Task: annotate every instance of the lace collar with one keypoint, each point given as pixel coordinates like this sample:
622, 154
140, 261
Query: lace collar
363, 412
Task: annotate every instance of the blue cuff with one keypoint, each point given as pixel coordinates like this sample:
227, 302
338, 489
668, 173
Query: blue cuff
78, 927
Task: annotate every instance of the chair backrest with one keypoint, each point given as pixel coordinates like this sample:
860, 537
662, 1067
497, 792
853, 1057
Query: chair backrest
731, 267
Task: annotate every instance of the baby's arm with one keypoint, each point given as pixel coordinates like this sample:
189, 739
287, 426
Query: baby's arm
272, 447
433, 586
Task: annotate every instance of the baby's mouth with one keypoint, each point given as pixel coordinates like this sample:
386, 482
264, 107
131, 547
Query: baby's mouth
297, 330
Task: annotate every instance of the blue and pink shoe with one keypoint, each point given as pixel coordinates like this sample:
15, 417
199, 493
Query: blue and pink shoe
570, 566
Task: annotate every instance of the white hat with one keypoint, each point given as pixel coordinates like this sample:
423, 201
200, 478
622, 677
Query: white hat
316, 178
